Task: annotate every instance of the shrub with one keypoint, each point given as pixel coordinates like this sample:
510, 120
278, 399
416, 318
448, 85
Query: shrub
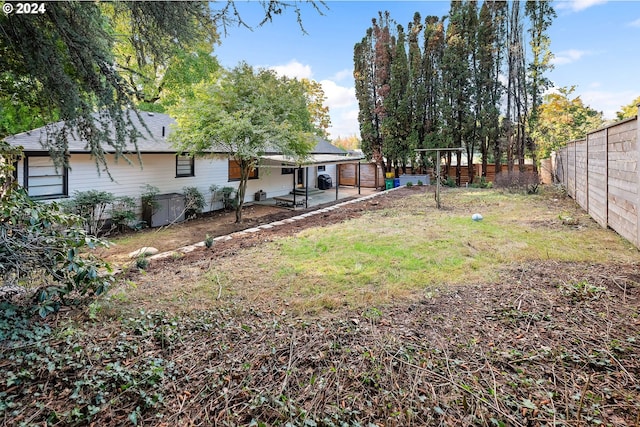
194, 201
44, 249
420, 183
517, 181
409, 184
91, 206
481, 182
450, 182
228, 198
123, 213
149, 197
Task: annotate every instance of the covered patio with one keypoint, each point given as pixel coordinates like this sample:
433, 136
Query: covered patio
310, 191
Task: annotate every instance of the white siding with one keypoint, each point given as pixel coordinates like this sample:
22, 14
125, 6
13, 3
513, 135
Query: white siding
159, 170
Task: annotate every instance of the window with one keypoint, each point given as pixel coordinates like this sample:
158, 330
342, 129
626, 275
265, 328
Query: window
322, 168
184, 166
234, 171
42, 180
287, 170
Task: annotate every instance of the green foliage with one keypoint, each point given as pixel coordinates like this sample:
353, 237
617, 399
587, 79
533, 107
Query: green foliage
229, 200
450, 182
246, 113
91, 206
45, 248
583, 290
208, 241
79, 58
420, 183
123, 213
142, 263
104, 377
628, 111
562, 119
481, 182
409, 184
148, 197
194, 201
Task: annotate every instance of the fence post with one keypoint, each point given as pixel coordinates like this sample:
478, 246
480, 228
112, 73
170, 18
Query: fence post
638, 175
606, 177
586, 178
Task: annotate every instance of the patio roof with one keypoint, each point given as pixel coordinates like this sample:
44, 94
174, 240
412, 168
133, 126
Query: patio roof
312, 160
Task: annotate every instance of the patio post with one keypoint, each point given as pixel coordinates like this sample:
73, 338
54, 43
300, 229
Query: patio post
294, 189
306, 187
337, 178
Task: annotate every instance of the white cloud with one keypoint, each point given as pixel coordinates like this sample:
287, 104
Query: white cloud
577, 5
606, 101
293, 69
635, 23
344, 123
342, 75
568, 56
338, 96
341, 100
343, 109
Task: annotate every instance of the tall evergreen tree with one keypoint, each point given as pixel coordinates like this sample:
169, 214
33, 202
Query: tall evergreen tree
517, 103
488, 85
540, 14
456, 81
398, 118
372, 62
430, 131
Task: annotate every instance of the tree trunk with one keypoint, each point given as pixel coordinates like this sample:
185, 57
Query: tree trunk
246, 167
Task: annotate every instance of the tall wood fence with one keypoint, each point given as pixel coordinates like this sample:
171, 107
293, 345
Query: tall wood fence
371, 176
601, 173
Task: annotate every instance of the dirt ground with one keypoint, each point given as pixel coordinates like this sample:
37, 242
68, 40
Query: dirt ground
548, 343
222, 223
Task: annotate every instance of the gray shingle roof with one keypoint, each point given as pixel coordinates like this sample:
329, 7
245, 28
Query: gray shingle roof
153, 140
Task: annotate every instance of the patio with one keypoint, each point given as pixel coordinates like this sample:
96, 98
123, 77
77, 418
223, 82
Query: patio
316, 197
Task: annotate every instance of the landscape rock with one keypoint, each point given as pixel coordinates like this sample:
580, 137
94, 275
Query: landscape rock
144, 251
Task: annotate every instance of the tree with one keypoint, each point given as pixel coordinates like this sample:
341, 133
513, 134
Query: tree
562, 119
540, 14
64, 66
246, 113
488, 86
347, 143
315, 101
396, 125
629, 110
372, 62
456, 101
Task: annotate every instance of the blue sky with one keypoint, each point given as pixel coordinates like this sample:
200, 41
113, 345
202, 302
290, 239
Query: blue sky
596, 46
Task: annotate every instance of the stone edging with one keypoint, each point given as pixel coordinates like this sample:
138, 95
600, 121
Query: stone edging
190, 248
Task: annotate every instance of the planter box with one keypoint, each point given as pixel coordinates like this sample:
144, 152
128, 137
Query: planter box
414, 179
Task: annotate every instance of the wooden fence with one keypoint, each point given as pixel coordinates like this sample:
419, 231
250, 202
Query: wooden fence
601, 173
371, 176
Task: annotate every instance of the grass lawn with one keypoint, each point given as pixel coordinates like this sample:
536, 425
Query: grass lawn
407, 250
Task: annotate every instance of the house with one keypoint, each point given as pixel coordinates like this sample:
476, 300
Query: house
165, 168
